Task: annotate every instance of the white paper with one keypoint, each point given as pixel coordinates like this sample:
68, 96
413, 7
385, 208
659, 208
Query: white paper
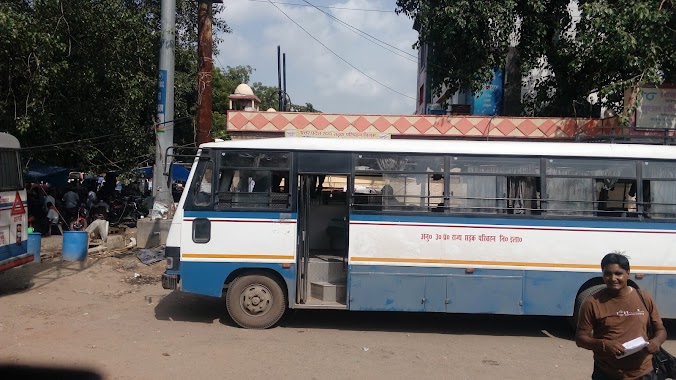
633, 346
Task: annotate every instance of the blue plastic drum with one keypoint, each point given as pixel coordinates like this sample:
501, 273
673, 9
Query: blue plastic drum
74, 245
34, 242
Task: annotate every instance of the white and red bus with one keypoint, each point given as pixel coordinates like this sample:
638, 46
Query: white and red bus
13, 206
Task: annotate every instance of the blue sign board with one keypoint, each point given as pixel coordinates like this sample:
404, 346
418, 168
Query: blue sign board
162, 92
489, 101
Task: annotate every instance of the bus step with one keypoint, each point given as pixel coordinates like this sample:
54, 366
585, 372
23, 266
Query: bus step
328, 292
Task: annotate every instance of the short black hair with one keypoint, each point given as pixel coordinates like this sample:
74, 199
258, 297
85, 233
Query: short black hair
615, 258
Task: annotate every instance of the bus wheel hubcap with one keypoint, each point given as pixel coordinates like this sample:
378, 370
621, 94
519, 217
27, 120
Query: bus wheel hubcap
256, 299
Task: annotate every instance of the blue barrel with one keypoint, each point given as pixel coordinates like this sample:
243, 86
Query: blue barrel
34, 242
74, 245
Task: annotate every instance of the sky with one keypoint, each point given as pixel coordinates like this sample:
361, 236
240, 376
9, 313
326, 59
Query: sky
314, 74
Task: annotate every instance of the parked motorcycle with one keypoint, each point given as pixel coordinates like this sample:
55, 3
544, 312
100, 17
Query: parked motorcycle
124, 212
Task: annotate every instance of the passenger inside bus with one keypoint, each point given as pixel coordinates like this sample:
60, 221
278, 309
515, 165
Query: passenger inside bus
389, 200
616, 198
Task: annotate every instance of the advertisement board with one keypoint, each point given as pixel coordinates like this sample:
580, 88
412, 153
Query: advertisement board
657, 109
489, 101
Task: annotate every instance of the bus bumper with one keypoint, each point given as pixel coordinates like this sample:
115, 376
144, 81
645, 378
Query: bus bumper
170, 281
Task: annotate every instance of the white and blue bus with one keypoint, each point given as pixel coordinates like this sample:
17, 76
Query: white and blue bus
421, 225
13, 206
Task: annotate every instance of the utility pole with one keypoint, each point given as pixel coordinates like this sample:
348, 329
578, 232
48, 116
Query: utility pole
164, 129
204, 76
280, 104
286, 106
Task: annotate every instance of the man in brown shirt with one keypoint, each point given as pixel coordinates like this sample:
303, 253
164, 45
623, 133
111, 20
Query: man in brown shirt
616, 315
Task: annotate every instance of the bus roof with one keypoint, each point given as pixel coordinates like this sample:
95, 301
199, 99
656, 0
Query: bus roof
506, 148
8, 141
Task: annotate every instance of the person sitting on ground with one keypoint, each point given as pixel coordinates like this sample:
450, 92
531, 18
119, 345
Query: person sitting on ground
99, 226
53, 219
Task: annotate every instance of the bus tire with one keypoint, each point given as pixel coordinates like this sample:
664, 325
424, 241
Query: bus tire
579, 300
255, 301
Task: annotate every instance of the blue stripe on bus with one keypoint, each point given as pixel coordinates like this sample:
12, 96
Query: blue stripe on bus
488, 291
10, 205
208, 278
514, 222
12, 250
240, 214
438, 289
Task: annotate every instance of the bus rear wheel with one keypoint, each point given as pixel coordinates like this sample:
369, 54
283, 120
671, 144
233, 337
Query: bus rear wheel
580, 299
255, 301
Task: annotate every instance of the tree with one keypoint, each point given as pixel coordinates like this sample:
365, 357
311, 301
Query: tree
87, 70
308, 107
611, 46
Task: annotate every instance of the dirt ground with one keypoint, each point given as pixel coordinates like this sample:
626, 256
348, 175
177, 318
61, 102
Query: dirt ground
111, 316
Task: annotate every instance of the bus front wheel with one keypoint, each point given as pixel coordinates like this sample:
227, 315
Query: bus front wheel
255, 301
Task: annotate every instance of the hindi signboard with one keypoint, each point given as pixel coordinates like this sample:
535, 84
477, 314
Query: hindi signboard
337, 134
657, 109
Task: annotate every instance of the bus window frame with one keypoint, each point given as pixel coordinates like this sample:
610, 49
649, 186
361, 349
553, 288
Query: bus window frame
17, 155
218, 155
414, 210
203, 160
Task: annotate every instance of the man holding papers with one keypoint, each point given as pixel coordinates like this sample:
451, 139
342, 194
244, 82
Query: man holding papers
614, 324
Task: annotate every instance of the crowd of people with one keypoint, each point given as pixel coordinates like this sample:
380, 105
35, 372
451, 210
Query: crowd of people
82, 206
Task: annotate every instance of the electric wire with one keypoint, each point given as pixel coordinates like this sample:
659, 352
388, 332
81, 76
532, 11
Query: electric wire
365, 34
338, 56
326, 6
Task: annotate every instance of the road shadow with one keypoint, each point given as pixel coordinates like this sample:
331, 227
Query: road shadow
186, 307
13, 371
437, 323
179, 306
36, 275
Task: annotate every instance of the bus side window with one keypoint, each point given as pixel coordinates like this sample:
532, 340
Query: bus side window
659, 190
253, 180
523, 195
203, 186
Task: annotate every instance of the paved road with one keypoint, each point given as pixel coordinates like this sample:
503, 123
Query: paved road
102, 318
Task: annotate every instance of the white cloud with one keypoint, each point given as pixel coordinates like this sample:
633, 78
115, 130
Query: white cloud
314, 74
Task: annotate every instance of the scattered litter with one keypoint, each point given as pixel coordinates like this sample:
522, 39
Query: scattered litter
366, 348
136, 275
132, 242
151, 256
165, 354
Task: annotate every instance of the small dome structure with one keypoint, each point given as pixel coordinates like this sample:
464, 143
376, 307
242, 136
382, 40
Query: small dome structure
244, 99
244, 89
271, 110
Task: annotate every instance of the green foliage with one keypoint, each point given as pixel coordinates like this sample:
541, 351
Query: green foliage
87, 70
611, 46
308, 107
269, 96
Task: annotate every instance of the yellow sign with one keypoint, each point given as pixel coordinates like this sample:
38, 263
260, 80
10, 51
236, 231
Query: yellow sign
338, 134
